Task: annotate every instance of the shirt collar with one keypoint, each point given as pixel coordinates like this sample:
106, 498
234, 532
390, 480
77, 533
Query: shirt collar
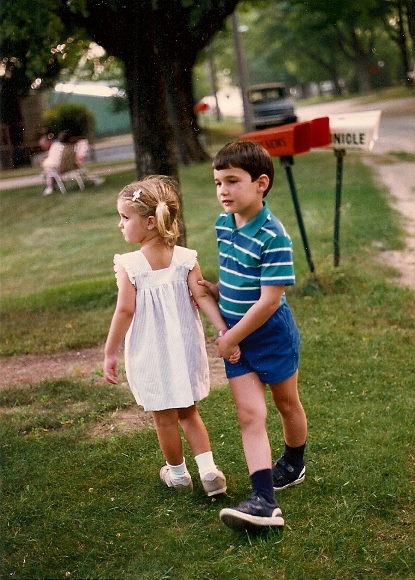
252, 227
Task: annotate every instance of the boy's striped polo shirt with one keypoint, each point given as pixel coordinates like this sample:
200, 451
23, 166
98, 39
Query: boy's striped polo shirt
259, 253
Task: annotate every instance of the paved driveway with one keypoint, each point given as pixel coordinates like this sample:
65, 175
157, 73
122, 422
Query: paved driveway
397, 122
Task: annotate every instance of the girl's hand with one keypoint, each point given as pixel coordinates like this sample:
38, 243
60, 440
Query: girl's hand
111, 369
235, 356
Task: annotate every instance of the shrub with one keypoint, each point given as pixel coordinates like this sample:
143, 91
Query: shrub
72, 117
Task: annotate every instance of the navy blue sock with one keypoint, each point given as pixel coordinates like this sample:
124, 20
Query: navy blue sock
262, 484
294, 455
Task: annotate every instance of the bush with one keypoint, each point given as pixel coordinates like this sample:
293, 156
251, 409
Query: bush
72, 117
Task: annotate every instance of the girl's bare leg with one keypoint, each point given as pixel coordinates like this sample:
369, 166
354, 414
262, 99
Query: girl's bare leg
194, 430
167, 428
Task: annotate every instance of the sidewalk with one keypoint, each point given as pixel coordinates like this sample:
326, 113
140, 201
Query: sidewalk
29, 180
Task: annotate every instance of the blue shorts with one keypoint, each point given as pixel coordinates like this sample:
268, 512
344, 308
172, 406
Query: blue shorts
272, 351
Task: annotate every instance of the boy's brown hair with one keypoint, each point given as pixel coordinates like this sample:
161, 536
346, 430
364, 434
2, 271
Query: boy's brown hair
249, 156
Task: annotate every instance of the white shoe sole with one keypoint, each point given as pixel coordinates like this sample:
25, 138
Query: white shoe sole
241, 521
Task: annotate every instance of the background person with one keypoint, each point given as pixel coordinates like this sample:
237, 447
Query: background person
53, 159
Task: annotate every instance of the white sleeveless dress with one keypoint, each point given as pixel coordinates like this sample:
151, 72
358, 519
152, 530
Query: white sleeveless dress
165, 354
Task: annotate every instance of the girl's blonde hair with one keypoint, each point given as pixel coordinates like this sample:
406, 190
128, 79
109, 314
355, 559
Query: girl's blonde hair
156, 195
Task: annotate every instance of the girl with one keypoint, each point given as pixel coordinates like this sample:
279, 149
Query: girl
165, 355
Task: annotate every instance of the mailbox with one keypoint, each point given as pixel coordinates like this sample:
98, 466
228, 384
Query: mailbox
283, 141
294, 138
354, 130
320, 132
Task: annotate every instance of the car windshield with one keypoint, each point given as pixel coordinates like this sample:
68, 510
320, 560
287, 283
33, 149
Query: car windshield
261, 95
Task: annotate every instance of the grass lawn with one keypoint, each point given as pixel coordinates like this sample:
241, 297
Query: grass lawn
81, 506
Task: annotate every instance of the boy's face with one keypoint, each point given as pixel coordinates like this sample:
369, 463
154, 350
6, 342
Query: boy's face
238, 194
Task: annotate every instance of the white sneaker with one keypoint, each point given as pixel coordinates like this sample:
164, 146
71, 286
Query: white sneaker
48, 190
98, 180
183, 484
214, 483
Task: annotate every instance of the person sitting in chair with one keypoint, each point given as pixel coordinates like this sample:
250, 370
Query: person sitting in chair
52, 161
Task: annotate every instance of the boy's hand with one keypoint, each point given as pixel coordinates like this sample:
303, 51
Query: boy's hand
230, 351
213, 288
111, 369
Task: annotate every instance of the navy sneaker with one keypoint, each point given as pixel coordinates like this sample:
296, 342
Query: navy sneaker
285, 475
254, 514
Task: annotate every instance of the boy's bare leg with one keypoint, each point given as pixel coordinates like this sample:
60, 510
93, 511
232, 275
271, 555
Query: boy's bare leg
287, 401
249, 396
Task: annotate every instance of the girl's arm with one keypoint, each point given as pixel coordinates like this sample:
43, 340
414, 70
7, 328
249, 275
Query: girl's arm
256, 316
121, 320
204, 299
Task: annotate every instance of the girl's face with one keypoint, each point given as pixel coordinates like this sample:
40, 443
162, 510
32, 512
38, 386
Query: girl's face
134, 227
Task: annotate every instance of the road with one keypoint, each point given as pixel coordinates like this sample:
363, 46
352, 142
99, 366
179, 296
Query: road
397, 122
114, 152
396, 132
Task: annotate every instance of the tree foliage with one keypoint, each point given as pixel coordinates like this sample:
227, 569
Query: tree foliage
157, 42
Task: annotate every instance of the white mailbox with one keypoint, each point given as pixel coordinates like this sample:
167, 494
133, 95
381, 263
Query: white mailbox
354, 130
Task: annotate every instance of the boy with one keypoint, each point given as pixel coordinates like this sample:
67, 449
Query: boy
255, 261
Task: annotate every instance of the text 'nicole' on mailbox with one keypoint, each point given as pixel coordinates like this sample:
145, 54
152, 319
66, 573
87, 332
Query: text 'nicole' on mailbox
354, 130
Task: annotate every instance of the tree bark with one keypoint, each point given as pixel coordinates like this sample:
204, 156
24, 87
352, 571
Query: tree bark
180, 37
180, 105
129, 33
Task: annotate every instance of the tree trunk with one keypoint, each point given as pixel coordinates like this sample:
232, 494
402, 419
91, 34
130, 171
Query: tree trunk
182, 30
153, 136
403, 46
129, 33
180, 104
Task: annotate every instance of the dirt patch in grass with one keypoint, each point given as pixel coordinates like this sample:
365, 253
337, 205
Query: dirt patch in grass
84, 363
23, 370
399, 178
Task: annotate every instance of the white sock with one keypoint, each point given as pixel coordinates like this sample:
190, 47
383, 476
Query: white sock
205, 463
177, 471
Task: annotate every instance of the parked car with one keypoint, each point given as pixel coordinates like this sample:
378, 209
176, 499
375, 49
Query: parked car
271, 105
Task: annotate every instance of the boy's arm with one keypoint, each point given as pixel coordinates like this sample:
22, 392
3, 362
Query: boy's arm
121, 320
256, 316
213, 288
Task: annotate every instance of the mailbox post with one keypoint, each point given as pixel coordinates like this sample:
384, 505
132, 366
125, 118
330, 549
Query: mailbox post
339, 153
350, 131
341, 132
285, 142
287, 162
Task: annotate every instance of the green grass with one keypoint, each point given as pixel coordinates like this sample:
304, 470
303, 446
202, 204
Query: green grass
81, 506
58, 288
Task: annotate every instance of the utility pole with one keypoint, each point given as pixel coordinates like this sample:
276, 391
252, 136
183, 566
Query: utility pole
242, 73
209, 50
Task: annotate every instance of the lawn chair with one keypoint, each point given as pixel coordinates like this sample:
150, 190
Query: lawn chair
68, 169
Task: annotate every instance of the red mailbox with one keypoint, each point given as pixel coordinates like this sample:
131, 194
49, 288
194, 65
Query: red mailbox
293, 139
283, 141
320, 132
201, 107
